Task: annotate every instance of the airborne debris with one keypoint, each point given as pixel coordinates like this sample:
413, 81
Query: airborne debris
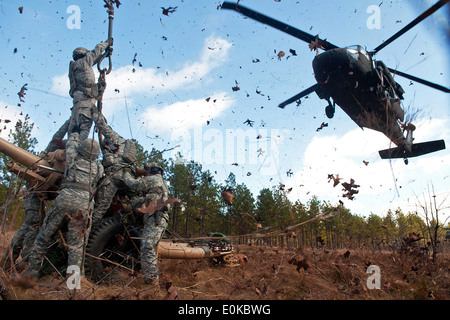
249, 122
350, 188
227, 196
317, 44
236, 88
335, 179
280, 55
168, 10
22, 92
323, 125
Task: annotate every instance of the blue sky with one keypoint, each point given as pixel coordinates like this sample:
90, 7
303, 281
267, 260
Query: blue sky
178, 93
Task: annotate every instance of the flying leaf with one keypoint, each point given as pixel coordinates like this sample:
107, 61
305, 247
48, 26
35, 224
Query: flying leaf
22, 92
227, 197
168, 10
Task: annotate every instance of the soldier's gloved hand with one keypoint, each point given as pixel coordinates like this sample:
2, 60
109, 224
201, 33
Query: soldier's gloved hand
110, 42
95, 117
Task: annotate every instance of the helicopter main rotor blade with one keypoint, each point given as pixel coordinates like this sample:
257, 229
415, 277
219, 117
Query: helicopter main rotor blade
299, 95
299, 34
422, 81
412, 24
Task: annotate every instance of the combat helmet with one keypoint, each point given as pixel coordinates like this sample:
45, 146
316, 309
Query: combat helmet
79, 53
89, 149
154, 168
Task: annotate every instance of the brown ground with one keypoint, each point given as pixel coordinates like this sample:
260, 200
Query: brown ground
263, 273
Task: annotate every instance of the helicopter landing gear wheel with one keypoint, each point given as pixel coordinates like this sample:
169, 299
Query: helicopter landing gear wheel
329, 111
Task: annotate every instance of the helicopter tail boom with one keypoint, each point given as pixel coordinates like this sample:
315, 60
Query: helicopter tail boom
417, 149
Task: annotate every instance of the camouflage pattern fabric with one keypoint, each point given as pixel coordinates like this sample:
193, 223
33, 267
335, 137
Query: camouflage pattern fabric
85, 92
114, 166
70, 207
154, 226
23, 240
148, 188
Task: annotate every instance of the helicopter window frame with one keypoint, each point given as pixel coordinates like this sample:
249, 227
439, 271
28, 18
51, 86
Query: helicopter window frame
356, 50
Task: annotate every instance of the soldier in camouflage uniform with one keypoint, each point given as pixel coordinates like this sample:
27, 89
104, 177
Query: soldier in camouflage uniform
149, 188
72, 205
23, 240
118, 154
83, 88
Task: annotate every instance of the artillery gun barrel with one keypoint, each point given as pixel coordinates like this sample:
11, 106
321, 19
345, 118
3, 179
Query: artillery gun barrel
21, 156
179, 250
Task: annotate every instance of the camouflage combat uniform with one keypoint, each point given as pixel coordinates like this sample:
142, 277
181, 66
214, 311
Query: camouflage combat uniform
84, 89
72, 205
23, 240
148, 188
118, 154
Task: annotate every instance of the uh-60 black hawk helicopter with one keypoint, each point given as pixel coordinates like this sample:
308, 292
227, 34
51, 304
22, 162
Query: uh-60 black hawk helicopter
362, 86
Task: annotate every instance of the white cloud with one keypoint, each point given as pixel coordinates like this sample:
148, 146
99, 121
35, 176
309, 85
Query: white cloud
153, 81
381, 181
183, 116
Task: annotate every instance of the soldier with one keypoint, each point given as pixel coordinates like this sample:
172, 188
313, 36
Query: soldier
83, 88
72, 205
150, 188
118, 154
23, 240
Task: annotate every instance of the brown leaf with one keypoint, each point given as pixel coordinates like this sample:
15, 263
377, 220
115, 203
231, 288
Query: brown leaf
227, 197
156, 205
168, 10
172, 292
299, 263
22, 92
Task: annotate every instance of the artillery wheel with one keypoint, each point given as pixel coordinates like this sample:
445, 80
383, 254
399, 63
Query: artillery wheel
110, 249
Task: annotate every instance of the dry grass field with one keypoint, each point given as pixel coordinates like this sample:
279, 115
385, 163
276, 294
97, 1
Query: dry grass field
260, 273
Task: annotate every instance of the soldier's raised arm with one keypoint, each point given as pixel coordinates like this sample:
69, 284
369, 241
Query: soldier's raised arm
107, 131
56, 142
93, 55
135, 184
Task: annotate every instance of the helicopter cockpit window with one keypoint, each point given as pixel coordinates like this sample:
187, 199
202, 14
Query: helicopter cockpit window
356, 50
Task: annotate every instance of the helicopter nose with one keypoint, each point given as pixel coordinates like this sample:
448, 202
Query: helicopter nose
332, 65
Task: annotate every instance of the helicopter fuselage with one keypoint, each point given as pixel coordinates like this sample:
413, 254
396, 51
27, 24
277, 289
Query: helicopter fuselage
363, 88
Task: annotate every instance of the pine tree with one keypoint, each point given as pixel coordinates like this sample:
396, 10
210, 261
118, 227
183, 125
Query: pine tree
10, 184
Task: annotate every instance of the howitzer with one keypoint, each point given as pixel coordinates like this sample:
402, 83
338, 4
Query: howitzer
43, 173
111, 242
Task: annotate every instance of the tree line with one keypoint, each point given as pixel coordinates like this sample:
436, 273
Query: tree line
229, 207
